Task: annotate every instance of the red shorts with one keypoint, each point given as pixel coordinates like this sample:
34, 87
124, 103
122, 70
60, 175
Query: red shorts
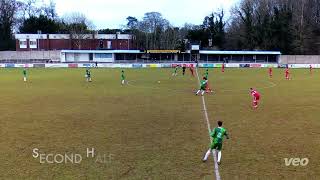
256, 98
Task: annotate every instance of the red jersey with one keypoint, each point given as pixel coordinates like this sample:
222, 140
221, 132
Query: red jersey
270, 70
287, 71
255, 94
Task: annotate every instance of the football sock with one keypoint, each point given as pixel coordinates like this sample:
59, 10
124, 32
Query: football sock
207, 155
254, 103
219, 156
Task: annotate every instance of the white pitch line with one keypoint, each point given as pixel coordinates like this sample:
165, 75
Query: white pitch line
216, 166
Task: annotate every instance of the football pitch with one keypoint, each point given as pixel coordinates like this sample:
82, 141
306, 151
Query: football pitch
154, 127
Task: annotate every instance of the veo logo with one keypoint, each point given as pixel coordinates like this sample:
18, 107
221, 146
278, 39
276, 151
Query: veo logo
296, 161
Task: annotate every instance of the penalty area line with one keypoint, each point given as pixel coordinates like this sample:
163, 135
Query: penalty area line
216, 166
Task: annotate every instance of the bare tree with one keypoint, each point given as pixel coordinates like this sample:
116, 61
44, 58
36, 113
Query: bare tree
30, 8
79, 26
7, 19
153, 24
49, 10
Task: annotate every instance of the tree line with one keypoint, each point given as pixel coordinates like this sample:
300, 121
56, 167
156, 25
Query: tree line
34, 16
289, 26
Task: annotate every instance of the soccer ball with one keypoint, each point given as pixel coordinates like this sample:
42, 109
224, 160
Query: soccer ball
159, 82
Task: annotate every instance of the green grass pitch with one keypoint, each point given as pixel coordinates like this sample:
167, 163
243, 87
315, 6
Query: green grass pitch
155, 130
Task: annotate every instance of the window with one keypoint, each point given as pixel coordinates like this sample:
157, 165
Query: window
109, 45
33, 43
101, 44
103, 56
23, 43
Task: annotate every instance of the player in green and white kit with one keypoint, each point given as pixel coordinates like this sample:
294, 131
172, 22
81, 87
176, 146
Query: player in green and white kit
24, 72
217, 138
175, 72
88, 75
203, 85
123, 77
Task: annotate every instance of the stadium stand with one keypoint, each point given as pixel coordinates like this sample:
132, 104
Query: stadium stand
29, 56
299, 59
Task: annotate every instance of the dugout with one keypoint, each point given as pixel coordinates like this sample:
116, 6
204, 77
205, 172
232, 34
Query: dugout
102, 56
161, 55
240, 56
158, 56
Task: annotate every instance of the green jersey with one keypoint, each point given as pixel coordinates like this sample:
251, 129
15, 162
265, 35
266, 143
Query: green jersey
217, 134
123, 77
203, 84
24, 72
88, 73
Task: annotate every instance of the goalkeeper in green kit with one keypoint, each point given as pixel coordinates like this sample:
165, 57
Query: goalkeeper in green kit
217, 137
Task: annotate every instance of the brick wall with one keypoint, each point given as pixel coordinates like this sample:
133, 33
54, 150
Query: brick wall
60, 42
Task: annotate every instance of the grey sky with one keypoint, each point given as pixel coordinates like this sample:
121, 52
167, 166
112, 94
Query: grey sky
113, 13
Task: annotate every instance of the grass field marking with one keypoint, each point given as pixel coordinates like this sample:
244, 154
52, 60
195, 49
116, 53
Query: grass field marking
216, 167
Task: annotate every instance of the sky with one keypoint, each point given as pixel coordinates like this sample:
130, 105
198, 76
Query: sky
113, 13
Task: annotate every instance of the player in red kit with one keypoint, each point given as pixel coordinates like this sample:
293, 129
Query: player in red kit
192, 70
287, 74
270, 72
311, 69
222, 67
255, 98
